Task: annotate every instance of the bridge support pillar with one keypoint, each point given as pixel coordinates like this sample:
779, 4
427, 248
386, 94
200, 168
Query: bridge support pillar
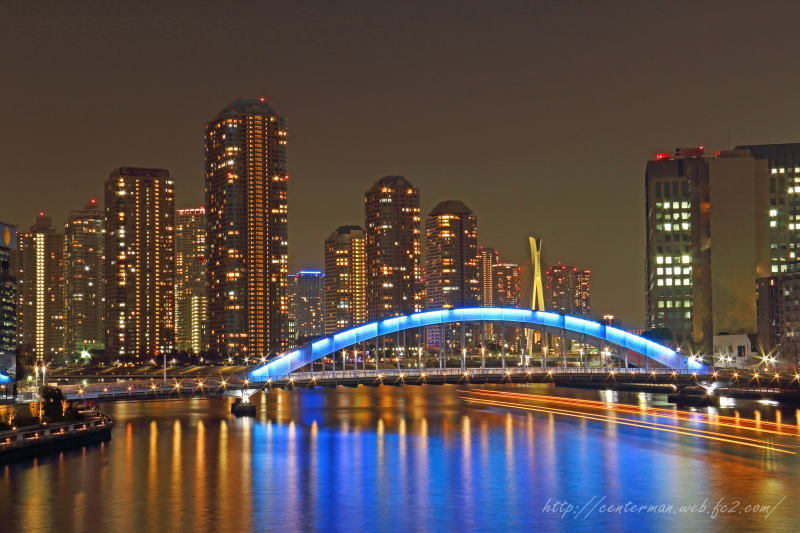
503, 345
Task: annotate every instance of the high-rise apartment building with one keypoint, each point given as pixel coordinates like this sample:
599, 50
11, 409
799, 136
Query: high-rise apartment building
451, 257
83, 279
783, 161
247, 209
394, 273
191, 278
487, 258
707, 242
452, 277
568, 290
139, 264
506, 290
307, 290
40, 310
8, 290
345, 279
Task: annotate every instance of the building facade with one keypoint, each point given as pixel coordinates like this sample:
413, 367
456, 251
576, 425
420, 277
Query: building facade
8, 289
307, 290
696, 289
783, 161
345, 279
568, 290
452, 274
393, 250
487, 258
247, 229
83, 280
40, 278
139, 263
191, 277
506, 290
779, 316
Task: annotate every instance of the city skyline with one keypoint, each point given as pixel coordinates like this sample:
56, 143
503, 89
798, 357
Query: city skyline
558, 146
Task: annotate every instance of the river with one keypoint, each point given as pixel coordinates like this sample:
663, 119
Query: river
413, 459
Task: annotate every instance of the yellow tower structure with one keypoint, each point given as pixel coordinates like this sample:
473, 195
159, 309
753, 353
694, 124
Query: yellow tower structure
537, 298
537, 294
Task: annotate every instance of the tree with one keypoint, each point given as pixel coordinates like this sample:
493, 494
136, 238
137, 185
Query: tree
51, 398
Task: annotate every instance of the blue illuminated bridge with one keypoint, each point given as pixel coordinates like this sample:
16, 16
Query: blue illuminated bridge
643, 351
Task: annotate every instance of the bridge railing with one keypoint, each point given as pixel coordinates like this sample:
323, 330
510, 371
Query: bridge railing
474, 371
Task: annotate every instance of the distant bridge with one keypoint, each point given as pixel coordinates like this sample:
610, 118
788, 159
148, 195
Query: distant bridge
565, 326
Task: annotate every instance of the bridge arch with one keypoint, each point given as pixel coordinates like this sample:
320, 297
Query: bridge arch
552, 323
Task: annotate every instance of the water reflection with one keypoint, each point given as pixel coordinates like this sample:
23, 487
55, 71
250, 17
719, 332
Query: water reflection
388, 459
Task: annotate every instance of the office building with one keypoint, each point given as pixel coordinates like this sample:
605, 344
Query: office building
40, 278
307, 290
783, 162
345, 279
139, 263
393, 250
191, 278
568, 290
778, 299
707, 242
83, 280
247, 209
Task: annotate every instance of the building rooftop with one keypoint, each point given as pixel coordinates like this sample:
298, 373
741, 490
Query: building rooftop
344, 230
392, 181
451, 207
249, 106
139, 172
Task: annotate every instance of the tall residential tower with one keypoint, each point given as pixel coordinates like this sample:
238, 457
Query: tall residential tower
83, 279
568, 290
307, 289
391, 212
451, 257
345, 279
139, 264
247, 209
191, 277
40, 313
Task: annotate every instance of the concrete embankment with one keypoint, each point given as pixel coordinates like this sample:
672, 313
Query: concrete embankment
34, 441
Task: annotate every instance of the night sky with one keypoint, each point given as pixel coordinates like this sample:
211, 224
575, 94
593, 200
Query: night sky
538, 115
